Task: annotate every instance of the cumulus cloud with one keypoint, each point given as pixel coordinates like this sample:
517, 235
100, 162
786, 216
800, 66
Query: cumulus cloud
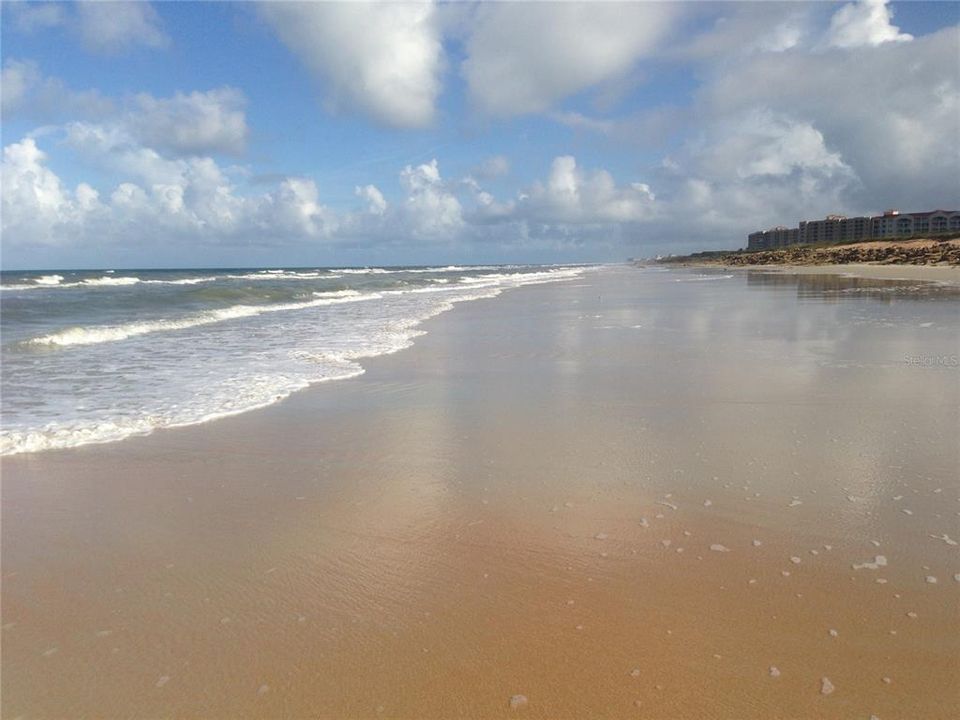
163, 200
755, 169
194, 123
37, 208
376, 204
571, 195
383, 59
109, 28
887, 109
431, 209
867, 22
524, 57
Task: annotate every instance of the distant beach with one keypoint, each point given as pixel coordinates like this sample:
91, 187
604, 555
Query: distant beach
632, 492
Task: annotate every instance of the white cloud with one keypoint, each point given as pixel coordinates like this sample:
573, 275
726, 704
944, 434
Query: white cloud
755, 169
383, 59
430, 209
867, 22
571, 195
25, 90
37, 208
162, 200
29, 17
113, 27
376, 204
888, 110
194, 123
748, 28
524, 57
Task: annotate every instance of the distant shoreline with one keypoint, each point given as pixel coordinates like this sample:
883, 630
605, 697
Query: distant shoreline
900, 253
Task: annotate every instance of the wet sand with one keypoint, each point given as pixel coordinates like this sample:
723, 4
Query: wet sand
630, 495
946, 274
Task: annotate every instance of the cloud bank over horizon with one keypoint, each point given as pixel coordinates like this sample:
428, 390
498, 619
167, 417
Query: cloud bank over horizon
522, 131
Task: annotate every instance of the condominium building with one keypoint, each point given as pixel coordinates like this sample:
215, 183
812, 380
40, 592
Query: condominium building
773, 238
838, 228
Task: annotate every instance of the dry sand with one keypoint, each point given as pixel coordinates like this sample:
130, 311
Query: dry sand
639, 494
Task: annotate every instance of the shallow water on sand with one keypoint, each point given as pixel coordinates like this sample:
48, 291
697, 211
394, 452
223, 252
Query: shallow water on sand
637, 494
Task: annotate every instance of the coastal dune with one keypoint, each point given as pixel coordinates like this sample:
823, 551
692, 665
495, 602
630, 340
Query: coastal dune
638, 493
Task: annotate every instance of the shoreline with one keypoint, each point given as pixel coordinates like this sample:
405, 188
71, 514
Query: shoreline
528, 501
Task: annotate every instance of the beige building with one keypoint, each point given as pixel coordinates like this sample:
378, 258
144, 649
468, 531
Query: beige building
839, 228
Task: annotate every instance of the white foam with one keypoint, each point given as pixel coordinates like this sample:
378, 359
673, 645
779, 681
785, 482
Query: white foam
878, 562
49, 280
248, 380
113, 333
111, 280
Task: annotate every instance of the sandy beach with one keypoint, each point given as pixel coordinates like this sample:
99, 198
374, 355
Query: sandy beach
642, 493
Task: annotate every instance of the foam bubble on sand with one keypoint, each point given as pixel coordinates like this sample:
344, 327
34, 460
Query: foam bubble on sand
635, 672
931, 579
667, 504
164, 679
757, 543
886, 681
826, 687
833, 633
263, 690
875, 543
912, 615
946, 538
687, 533
785, 573
717, 547
104, 633
795, 560
51, 651
878, 562
665, 543
881, 581
707, 503
794, 503
907, 512
957, 577
774, 671
600, 536
644, 523
814, 552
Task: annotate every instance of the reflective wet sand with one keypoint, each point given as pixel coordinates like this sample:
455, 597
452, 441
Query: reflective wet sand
639, 494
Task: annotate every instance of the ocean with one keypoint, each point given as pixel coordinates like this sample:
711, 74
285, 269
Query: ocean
96, 356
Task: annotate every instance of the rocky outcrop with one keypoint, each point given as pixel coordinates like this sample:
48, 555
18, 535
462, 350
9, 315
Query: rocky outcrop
910, 252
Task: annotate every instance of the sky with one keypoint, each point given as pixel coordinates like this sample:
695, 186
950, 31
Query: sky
183, 134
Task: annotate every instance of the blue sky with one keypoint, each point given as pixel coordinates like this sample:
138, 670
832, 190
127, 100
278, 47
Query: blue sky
189, 134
